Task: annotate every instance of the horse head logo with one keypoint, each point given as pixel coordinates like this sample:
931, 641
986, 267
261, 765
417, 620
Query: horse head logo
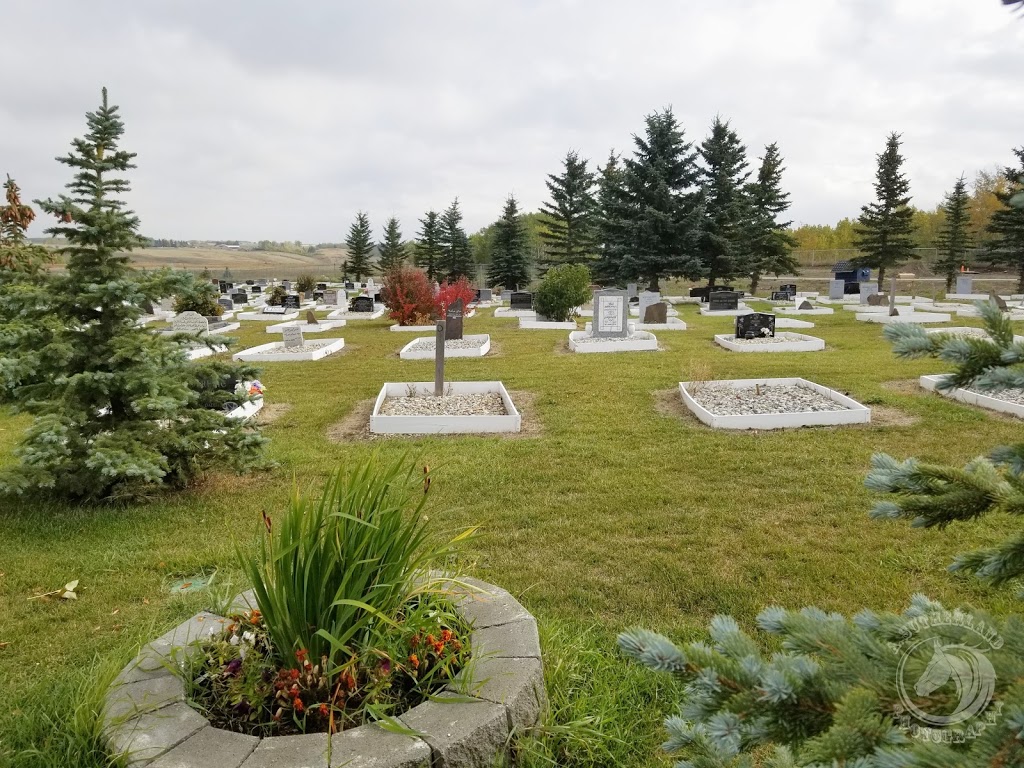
967, 668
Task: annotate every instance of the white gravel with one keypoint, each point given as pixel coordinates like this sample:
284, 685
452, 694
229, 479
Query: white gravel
486, 404
1015, 396
727, 401
589, 339
977, 332
779, 338
466, 343
309, 346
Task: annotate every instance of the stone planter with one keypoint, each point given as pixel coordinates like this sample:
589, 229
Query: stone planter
583, 342
500, 693
275, 351
510, 421
411, 352
794, 342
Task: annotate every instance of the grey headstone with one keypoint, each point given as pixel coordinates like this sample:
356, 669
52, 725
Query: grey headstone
836, 289
646, 299
506, 295
311, 318
964, 284
804, 304
331, 298
286, 284
167, 305
292, 337
190, 322
611, 310
877, 300
723, 301
998, 300
866, 290
453, 320
484, 294
630, 291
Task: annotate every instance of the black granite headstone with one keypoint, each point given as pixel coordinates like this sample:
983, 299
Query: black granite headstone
755, 325
521, 300
240, 298
361, 304
453, 320
291, 301
782, 296
722, 301
350, 286
226, 303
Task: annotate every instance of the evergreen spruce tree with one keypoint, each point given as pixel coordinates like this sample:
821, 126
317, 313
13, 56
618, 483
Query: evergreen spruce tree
659, 212
510, 267
360, 246
770, 244
954, 239
885, 232
570, 218
392, 250
456, 255
119, 411
613, 217
1007, 223
726, 215
428, 245
17, 255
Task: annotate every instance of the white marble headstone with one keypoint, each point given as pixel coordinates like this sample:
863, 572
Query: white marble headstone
648, 299
167, 305
190, 322
836, 289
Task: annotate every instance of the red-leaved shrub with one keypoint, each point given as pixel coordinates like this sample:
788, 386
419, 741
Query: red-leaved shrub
408, 295
449, 293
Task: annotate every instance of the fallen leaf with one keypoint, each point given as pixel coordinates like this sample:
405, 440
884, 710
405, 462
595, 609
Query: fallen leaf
186, 585
115, 612
71, 586
4, 645
145, 601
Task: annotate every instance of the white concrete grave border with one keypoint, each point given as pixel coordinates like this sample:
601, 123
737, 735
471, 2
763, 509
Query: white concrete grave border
903, 317
533, 324
989, 401
637, 341
444, 425
268, 318
500, 694
799, 343
262, 353
302, 325
855, 413
408, 353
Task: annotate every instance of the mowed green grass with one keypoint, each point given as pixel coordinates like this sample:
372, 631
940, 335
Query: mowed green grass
621, 511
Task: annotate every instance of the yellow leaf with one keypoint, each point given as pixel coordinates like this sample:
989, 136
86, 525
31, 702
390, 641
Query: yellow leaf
71, 586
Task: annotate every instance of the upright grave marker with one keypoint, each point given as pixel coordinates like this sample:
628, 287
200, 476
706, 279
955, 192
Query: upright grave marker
611, 314
453, 321
190, 322
964, 284
226, 303
521, 300
756, 325
293, 337
836, 289
311, 318
723, 301
291, 301
330, 298
361, 304
655, 314
647, 299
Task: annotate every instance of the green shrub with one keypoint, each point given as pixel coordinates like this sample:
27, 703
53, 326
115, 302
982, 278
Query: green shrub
275, 297
305, 283
563, 289
199, 297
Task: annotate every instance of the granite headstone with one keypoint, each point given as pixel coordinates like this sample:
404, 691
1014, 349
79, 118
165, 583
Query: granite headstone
190, 322
453, 320
361, 304
611, 313
755, 326
292, 337
655, 314
521, 300
723, 301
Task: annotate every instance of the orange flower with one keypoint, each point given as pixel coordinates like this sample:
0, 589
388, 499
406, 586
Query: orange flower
456, 645
323, 710
438, 648
430, 640
446, 635
348, 680
294, 674
414, 660
301, 654
415, 640
299, 706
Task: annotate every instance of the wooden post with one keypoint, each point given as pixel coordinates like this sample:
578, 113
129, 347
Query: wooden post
439, 359
892, 295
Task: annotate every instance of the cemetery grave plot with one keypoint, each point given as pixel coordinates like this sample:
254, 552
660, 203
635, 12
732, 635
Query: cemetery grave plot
904, 315
803, 306
520, 305
1009, 400
756, 333
455, 343
310, 325
610, 331
294, 348
789, 322
966, 331
724, 304
359, 308
464, 407
770, 404
537, 323
268, 313
654, 314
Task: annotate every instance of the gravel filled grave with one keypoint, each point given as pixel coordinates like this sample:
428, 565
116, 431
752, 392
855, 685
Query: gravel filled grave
1010, 395
729, 401
309, 346
482, 404
778, 338
470, 342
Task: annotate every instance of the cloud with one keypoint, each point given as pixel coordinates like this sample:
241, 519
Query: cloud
266, 120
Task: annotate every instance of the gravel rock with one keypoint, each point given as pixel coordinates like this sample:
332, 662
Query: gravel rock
980, 333
588, 339
779, 338
1009, 395
723, 400
309, 346
466, 343
486, 404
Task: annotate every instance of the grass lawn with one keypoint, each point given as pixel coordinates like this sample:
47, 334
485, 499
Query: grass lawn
617, 509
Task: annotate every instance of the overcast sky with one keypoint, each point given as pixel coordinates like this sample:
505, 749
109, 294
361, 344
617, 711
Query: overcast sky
280, 120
